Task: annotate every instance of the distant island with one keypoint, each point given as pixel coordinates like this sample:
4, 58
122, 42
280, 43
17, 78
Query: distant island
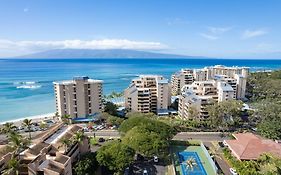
101, 53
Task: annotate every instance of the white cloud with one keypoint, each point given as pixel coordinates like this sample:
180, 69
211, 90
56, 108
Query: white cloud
253, 33
219, 30
209, 37
25, 9
24, 47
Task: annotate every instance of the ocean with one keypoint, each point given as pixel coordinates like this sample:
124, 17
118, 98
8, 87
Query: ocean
26, 87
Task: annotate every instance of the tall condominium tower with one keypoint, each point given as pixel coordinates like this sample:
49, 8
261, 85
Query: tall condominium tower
148, 93
80, 97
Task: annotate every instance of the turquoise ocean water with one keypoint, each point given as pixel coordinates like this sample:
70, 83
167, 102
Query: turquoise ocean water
26, 84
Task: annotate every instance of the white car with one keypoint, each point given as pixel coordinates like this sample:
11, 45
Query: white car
233, 171
155, 159
144, 172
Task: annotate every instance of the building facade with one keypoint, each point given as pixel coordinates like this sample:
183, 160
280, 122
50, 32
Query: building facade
79, 97
200, 94
148, 93
235, 76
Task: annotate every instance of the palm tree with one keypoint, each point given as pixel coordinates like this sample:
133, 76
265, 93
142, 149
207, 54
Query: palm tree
66, 143
27, 123
17, 142
191, 163
13, 167
66, 119
79, 137
8, 128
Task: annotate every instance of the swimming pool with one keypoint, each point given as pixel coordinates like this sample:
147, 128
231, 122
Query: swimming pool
197, 168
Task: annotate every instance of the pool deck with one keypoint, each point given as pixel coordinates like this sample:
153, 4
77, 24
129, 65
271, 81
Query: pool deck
206, 164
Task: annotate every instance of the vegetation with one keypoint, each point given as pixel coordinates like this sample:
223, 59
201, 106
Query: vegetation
152, 125
8, 128
112, 120
110, 108
225, 114
13, 167
145, 142
116, 156
263, 90
87, 165
27, 123
266, 164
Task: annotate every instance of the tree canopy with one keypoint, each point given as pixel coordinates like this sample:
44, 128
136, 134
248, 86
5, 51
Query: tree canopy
225, 113
116, 156
145, 142
86, 165
152, 125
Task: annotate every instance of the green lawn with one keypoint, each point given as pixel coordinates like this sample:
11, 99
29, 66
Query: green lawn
206, 164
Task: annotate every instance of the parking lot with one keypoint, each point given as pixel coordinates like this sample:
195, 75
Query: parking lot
152, 168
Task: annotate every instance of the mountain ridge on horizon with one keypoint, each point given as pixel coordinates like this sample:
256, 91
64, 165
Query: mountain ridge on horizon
101, 53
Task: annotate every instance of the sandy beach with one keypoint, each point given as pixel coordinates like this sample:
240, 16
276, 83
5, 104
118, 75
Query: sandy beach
35, 119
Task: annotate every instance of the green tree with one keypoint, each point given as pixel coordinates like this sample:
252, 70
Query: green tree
87, 165
110, 108
43, 125
66, 119
8, 128
145, 142
79, 136
13, 167
65, 143
112, 120
116, 156
193, 113
27, 123
164, 130
17, 141
225, 113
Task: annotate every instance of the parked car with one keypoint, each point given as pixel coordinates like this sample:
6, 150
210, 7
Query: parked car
233, 171
145, 172
101, 139
221, 144
155, 159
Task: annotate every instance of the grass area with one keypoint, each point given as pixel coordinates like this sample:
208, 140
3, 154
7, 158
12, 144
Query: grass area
206, 164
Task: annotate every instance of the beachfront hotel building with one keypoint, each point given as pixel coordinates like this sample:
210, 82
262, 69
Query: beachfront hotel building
148, 93
236, 77
80, 97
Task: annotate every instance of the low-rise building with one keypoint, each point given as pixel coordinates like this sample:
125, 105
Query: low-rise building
80, 97
148, 93
248, 146
50, 155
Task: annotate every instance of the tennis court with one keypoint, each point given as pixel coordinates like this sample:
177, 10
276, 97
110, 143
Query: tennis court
181, 153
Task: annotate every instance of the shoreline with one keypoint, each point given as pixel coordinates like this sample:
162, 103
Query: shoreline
35, 118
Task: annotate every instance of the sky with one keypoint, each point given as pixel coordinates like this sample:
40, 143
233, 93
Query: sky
217, 28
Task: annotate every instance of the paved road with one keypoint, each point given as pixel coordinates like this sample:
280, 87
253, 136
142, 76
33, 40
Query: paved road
104, 133
219, 158
203, 136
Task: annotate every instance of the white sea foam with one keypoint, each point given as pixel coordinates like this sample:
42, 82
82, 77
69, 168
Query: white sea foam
28, 87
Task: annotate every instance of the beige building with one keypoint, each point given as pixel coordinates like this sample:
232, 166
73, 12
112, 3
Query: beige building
235, 76
49, 156
181, 78
148, 93
200, 94
79, 97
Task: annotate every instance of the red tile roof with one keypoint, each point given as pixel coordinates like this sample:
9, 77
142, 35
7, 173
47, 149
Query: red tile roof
248, 146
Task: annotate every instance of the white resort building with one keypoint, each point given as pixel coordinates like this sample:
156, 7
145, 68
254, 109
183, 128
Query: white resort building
211, 85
